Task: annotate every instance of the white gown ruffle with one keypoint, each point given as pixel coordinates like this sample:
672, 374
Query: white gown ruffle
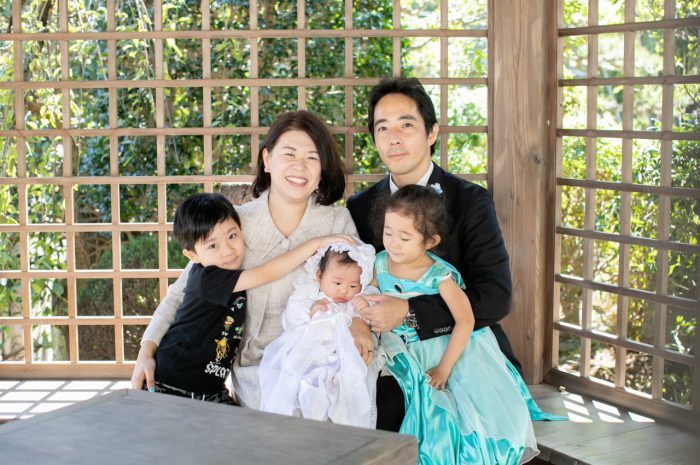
314, 370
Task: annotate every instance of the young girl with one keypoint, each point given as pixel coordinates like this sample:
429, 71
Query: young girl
463, 401
313, 369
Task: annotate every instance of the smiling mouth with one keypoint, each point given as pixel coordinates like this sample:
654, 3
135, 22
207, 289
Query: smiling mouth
340, 301
297, 181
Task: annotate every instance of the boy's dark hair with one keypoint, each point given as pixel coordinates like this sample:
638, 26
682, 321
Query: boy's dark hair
425, 205
332, 184
411, 88
343, 259
198, 214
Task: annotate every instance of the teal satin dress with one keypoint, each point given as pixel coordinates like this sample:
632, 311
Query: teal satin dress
484, 415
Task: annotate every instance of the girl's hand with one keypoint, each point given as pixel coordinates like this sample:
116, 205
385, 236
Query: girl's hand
318, 306
437, 377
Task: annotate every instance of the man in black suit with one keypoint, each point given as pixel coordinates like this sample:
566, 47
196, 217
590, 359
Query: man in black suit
404, 128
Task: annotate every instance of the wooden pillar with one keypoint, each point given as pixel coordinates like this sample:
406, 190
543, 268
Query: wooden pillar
520, 168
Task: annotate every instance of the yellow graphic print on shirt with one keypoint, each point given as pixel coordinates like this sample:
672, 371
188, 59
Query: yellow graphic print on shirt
221, 349
228, 323
222, 344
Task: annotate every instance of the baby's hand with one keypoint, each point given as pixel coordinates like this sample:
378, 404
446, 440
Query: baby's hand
318, 306
359, 302
437, 377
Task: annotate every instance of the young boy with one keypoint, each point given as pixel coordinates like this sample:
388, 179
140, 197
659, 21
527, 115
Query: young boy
196, 354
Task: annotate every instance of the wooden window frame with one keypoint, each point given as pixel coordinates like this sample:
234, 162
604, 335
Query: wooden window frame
74, 367
582, 382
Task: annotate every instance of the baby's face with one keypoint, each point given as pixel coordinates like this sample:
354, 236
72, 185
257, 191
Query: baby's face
340, 282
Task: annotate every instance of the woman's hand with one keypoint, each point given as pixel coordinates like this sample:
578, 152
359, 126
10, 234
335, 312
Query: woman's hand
145, 367
437, 377
363, 339
384, 313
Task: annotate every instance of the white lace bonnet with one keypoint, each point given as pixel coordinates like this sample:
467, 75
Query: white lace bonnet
362, 253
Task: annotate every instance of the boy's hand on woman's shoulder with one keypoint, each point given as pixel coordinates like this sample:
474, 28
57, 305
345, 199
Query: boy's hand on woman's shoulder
330, 239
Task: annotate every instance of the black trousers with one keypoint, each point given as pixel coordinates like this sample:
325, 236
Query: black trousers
390, 409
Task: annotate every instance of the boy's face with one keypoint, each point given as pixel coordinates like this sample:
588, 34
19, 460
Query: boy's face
224, 247
340, 282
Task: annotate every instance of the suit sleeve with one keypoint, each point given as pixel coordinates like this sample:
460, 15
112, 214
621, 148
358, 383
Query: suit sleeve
484, 266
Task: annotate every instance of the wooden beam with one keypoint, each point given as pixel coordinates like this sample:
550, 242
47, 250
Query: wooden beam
519, 168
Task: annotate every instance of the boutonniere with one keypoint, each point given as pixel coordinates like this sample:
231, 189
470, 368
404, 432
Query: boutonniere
437, 188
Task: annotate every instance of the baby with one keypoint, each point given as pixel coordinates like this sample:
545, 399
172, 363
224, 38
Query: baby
313, 369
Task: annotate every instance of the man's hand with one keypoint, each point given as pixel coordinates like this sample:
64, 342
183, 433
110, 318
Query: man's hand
385, 312
145, 367
437, 377
363, 339
318, 306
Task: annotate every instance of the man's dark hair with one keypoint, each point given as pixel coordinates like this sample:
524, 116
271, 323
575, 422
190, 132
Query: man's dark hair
196, 217
343, 259
411, 88
332, 184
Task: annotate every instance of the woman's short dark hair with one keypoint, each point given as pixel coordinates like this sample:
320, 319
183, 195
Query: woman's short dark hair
332, 184
425, 205
411, 88
197, 216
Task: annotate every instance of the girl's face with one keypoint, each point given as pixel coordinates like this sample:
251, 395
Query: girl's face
401, 239
294, 165
340, 281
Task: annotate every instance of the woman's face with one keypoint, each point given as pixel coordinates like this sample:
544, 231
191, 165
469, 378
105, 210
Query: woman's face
294, 166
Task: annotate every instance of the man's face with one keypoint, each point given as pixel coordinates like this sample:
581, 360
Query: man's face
400, 137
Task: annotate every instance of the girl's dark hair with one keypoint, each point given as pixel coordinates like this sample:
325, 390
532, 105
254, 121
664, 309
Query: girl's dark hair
332, 184
343, 259
196, 217
425, 205
411, 88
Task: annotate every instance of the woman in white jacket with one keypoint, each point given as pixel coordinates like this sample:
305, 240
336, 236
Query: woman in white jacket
299, 176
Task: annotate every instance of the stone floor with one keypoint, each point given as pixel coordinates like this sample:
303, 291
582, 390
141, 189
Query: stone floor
24, 399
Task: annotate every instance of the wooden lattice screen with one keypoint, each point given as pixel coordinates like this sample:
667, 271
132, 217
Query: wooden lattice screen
627, 213
43, 297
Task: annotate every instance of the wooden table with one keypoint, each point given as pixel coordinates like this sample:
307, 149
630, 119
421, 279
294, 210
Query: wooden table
136, 427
